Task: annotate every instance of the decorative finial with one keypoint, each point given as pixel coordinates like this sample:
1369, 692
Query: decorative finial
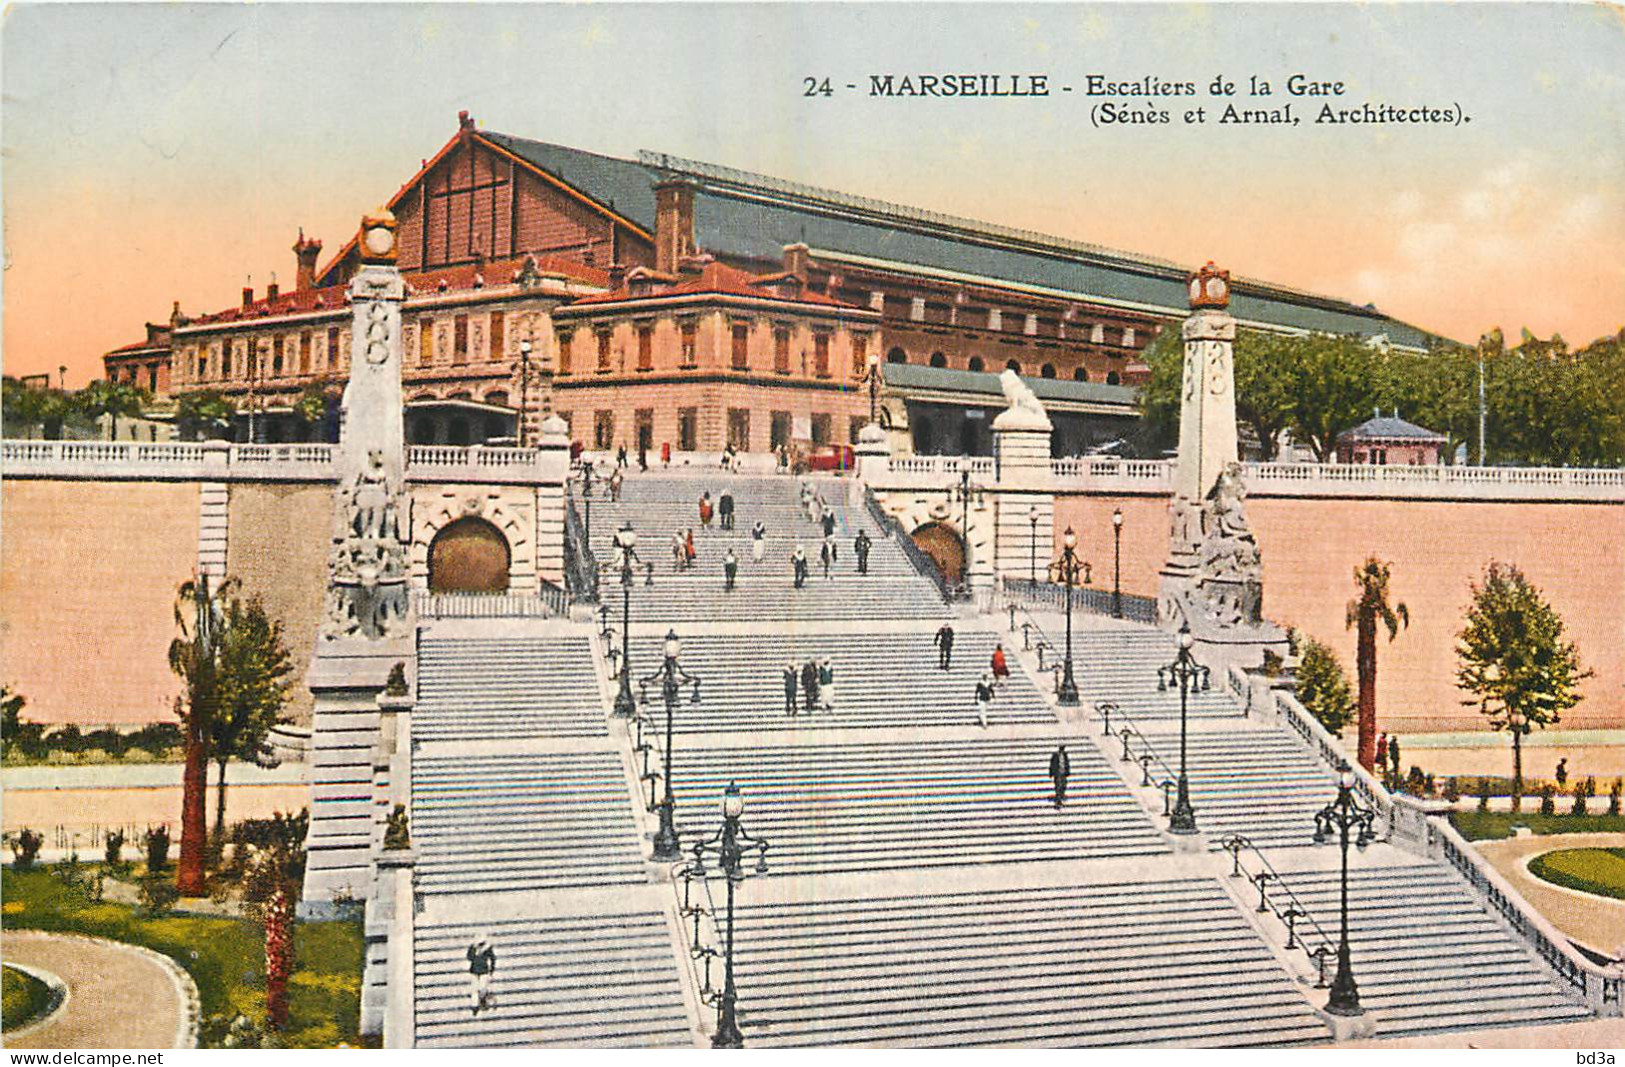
1210, 287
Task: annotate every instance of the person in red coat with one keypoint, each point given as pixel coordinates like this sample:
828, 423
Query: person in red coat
705, 511
1001, 669
688, 545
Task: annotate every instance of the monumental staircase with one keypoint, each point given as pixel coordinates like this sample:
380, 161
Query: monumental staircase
923, 888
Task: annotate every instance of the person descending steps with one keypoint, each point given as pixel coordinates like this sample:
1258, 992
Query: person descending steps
792, 685
984, 697
860, 546
798, 565
758, 541
945, 646
482, 967
1060, 769
730, 569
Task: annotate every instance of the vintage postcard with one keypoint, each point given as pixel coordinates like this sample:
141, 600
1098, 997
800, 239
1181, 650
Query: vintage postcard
803, 525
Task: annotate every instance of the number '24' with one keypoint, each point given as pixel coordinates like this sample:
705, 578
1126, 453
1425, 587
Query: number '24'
815, 87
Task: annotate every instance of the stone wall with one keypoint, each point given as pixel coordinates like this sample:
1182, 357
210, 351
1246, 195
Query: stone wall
277, 543
88, 578
1571, 550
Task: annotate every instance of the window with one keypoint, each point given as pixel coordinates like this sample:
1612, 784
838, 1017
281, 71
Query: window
152, 376
499, 335
688, 429
1111, 378
854, 427
603, 350
741, 345
1080, 375
459, 345
689, 342
976, 364
225, 362
332, 346
566, 342
1047, 371
425, 340
603, 430
739, 428
304, 352
458, 434
938, 359
422, 431
1128, 336
779, 430
646, 348
1013, 364
499, 397
821, 354
781, 349
860, 355
1097, 334
276, 357
202, 367
897, 355
820, 429
646, 428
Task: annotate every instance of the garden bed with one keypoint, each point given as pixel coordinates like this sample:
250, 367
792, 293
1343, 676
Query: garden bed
25, 998
1494, 825
1600, 871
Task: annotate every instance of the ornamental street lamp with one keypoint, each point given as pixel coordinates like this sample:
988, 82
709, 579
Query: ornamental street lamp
626, 540
1032, 547
1070, 569
672, 678
524, 387
728, 845
1345, 813
965, 492
873, 378
1117, 563
1184, 668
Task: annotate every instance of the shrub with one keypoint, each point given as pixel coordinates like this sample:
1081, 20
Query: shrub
397, 834
1323, 688
113, 848
66, 739
157, 848
158, 894
1548, 800
1451, 792
25, 848
1613, 797
1416, 781
1579, 807
157, 738
1484, 797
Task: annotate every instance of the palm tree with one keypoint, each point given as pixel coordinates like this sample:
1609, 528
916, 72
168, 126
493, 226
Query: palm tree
1363, 614
194, 657
115, 399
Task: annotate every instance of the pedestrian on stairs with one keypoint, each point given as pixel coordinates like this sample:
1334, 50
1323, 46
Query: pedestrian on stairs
792, 683
798, 564
705, 510
729, 454
689, 554
620, 457
643, 459
861, 546
615, 485
826, 683
1000, 667
984, 697
829, 523
665, 453
586, 476
1393, 756
1382, 754
1060, 769
945, 646
482, 966
824, 556
809, 685
730, 569
679, 552
758, 541
725, 509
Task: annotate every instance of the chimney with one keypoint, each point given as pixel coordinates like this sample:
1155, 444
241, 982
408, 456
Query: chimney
248, 295
797, 258
306, 251
272, 290
463, 121
674, 224
617, 276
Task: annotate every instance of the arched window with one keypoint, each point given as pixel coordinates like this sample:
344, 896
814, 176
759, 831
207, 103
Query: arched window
1014, 365
497, 397
897, 355
925, 437
976, 364
422, 431
1080, 375
493, 427
469, 556
938, 359
1111, 377
459, 432
1047, 371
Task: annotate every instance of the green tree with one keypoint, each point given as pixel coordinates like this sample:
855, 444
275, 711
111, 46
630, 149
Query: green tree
203, 411
1323, 687
1363, 614
11, 717
253, 670
1515, 662
117, 399
194, 657
313, 401
25, 407
272, 882
1335, 387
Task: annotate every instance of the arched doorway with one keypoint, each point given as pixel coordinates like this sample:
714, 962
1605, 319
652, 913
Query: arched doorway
468, 556
941, 542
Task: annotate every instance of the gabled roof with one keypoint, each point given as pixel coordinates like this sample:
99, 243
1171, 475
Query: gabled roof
717, 279
1391, 428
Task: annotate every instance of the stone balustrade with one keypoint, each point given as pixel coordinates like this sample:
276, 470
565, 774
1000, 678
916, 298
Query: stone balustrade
218, 461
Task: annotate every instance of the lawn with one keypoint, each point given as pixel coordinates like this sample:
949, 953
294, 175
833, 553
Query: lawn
24, 997
225, 957
1591, 870
1493, 825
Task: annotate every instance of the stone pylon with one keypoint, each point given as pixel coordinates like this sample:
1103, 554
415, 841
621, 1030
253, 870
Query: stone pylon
1213, 578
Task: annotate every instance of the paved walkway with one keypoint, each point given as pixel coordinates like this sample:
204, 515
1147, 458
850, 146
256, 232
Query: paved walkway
119, 996
1596, 922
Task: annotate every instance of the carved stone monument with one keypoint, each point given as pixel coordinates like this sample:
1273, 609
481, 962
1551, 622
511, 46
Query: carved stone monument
367, 593
1213, 579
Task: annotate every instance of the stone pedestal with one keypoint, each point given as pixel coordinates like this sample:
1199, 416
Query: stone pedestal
872, 457
1024, 482
1349, 1027
553, 453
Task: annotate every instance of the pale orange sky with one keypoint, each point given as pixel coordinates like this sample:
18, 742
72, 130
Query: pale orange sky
155, 153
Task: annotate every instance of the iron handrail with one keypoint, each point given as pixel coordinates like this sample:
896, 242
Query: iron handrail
580, 565
1096, 601
921, 560
1235, 844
